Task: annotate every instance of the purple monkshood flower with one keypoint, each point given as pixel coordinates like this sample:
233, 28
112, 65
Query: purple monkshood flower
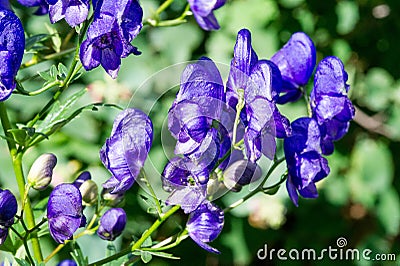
125, 151
305, 164
115, 25
203, 12
43, 6
8, 209
256, 82
296, 62
112, 223
64, 212
67, 263
11, 49
330, 104
74, 11
205, 224
198, 102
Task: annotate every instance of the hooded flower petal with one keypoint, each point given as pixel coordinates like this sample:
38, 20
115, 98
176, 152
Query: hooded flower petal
203, 12
74, 11
11, 50
205, 224
330, 104
305, 164
125, 151
64, 212
8, 208
296, 61
112, 223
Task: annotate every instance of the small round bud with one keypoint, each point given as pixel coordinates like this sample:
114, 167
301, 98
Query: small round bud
89, 192
111, 224
111, 200
41, 172
241, 173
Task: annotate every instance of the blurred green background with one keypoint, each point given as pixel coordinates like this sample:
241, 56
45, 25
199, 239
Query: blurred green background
358, 201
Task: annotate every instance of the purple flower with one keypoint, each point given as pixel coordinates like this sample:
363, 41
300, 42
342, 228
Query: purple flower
114, 26
241, 173
205, 224
203, 12
305, 164
329, 102
256, 82
64, 212
198, 102
67, 263
74, 11
125, 151
11, 49
112, 223
43, 6
8, 209
296, 62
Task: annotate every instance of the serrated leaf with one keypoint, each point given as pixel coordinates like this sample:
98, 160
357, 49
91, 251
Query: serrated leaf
146, 256
46, 76
53, 72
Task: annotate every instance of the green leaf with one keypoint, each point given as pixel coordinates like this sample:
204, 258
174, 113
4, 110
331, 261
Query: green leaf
146, 256
148, 242
163, 255
19, 135
77, 254
31, 41
53, 72
388, 211
62, 70
22, 262
46, 76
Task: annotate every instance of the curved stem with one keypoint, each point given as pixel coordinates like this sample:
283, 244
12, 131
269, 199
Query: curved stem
141, 240
259, 187
164, 6
152, 192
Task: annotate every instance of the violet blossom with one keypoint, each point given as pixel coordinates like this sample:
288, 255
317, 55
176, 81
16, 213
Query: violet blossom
111, 224
11, 49
330, 104
296, 62
74, 11
64, 212
43, 6
114, 26
203, 12
126, 150
8, 209
305, 164
205, 224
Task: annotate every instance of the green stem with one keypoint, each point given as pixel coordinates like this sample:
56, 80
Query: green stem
152, 192
163, 246
45, 88
259, 187
141, 240
19, 175
164, 6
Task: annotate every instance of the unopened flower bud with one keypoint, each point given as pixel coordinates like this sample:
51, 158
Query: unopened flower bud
89, 192
112, 223
111, 200
41, 172
241, 173
82, 178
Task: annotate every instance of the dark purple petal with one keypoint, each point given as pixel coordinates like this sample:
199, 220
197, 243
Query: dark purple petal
82, 178
131, 20
266, 81
74, 11
189, 197
112, 223
11, 51
292, 191
203, 13
64, 212
3, 234
67, 263
8, 207
205, 224
241, 172
296, 61
89, 54
175, 174
126, 150
330, 78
